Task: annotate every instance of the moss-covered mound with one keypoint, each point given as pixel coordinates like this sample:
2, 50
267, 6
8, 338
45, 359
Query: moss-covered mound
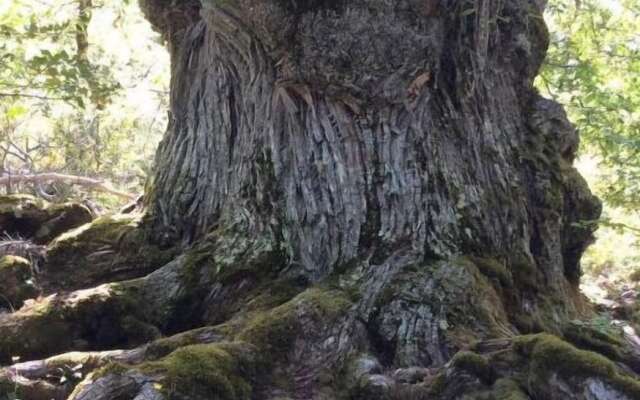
91, 319
31, 218
111, 248
239, 324
220, 371
538, 366
551, 359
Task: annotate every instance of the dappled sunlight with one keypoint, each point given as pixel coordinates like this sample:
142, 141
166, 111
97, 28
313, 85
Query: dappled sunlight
63, 120
614, 256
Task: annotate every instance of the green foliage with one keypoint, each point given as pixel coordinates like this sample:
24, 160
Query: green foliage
83, 89
39, 59
593, 68
615, 253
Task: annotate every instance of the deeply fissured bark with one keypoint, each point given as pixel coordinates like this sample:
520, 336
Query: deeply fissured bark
360, 130
372, 201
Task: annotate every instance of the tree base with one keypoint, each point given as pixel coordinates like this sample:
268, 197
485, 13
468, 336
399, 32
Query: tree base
227, 320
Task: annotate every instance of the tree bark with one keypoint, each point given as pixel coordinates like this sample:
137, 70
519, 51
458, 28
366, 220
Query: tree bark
361, 130
372, 201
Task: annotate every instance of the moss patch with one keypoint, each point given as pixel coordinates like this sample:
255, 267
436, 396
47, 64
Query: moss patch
38, 220
586, 337
274, 331
164, 346
493, 269
525, 273
474, 364
92, 318
507, 389
108, 249
110, 368
274, 294
259, 339
550, 354
220, 371
35, 331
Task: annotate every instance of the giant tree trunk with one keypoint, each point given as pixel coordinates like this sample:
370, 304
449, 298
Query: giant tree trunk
373, 202
369, 130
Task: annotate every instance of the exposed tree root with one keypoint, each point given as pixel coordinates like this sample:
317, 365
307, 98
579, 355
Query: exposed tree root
353, 336
403, 226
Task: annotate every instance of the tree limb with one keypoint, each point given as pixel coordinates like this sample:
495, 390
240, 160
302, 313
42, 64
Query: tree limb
94, 184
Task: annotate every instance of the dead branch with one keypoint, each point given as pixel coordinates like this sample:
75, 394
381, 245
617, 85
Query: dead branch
94, 184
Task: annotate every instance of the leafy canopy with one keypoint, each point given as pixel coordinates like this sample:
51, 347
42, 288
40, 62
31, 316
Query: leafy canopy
593, 68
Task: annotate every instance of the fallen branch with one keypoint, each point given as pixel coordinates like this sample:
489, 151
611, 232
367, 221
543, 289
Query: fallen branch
94, 184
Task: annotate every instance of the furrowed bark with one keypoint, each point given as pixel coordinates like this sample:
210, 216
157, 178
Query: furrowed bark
355, 129
373, 202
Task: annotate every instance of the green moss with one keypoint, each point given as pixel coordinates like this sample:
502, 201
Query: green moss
11, 262
199, 258
115, 244
161, 347
60, 218
104, 230
437, 385
525, 273
17, 202
16, 282
507, 389
220, 371
274, 294
493, 269
273, 332
474, 364
138, 331
586, 337
38, 220
112, 367
550, 354
37, 332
